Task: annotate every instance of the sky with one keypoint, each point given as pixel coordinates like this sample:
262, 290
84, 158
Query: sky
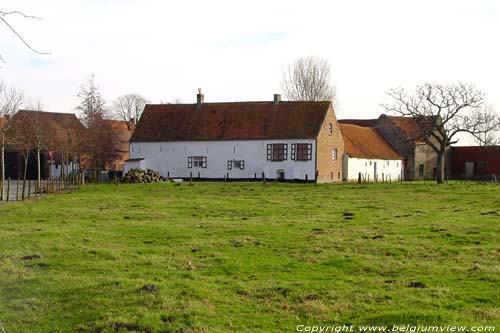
236, 50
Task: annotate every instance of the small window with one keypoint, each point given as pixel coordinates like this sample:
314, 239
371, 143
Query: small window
301, 151
330, 129
397, 164
197, 162
236, 164
277, 152
334, 154
370, 162
387, 162
239, 164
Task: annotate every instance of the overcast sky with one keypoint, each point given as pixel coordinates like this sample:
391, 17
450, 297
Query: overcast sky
235, 50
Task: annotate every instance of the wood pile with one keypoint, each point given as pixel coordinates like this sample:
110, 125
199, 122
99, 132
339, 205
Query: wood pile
142, 176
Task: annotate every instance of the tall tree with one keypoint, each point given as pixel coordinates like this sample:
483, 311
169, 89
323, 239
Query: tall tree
442, 112
129, 108
10, 101
100, 141
39, 133
309, 79
21, 133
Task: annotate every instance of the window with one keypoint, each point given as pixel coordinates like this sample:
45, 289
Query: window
236, 164
420, 170
370, 162
330, 129
301, 151
387, 162
334, 153
197, 162
277, 152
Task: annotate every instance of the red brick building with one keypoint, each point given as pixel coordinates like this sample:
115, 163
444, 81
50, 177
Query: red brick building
475, 162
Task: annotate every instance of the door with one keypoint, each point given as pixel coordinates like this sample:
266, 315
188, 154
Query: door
469, 169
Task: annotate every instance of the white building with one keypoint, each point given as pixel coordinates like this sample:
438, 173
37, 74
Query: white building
241, 140
368, 156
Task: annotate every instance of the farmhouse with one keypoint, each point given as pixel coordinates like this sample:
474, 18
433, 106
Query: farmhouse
368, 156
240, 140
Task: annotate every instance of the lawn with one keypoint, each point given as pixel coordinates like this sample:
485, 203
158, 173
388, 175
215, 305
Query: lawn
236, 257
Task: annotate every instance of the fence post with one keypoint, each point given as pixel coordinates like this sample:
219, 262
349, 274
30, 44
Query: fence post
29, 188
17, 190
191, 178
8, 189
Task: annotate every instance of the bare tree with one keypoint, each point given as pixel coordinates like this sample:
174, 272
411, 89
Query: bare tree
129, 108
21, 133
4, 19
485, 126
39, 134
10, 101
442, 111
309, 79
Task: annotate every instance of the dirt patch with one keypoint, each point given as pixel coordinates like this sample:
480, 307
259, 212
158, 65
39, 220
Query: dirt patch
416, 284
149, 288
32, 257
130, 327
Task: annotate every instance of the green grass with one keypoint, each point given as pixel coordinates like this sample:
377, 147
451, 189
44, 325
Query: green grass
246, 257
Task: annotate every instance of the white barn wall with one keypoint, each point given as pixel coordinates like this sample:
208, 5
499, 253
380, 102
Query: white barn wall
137, 164
387, 169
171, 158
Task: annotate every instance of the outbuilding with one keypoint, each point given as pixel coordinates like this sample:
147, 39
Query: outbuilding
368, 156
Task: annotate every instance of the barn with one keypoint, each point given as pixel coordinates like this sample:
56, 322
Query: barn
240, 140
368, 156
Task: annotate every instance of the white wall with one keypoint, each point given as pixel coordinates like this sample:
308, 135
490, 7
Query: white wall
136, 164
386, 169
68, 169
171, 158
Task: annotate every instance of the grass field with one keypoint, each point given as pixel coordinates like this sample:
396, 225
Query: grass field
239, 257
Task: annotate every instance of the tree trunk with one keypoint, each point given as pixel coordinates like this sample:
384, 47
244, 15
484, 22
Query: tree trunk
440, 167
3, 168
26, 159
38, 175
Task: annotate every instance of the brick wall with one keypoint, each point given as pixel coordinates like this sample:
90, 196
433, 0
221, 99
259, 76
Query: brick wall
329, 170
486, 161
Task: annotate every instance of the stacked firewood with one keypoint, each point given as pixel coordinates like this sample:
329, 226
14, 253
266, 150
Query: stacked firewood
143, 176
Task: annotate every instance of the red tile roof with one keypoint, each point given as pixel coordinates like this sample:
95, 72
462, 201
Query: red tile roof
360, 122
366, 142
230, 121
59, 123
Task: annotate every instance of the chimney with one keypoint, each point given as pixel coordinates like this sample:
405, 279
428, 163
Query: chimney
277, 99
199, 98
